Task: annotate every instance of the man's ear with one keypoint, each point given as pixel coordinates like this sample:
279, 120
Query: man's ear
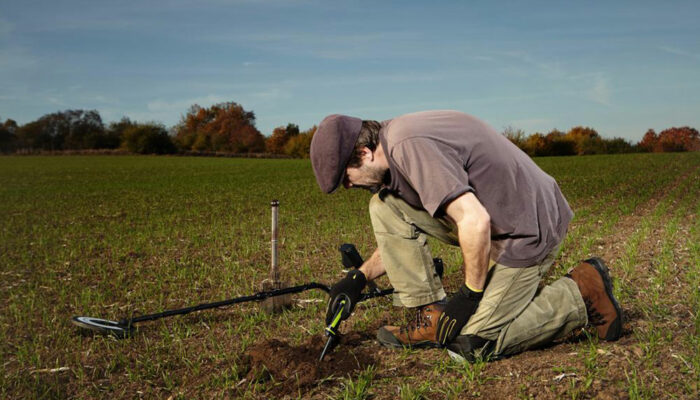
367, 153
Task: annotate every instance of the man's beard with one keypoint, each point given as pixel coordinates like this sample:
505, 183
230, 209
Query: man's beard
376, 175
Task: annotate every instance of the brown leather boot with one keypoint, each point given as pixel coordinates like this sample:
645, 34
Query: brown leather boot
595, 285
419, 333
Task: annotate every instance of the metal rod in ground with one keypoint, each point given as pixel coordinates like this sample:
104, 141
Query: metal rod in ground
274, 268
279, 303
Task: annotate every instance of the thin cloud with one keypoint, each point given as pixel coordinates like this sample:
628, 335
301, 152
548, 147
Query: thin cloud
600, 92
271, 94
248, 64
679, 52
56, 101
550, 69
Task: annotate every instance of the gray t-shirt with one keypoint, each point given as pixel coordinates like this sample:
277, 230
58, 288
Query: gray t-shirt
436, 156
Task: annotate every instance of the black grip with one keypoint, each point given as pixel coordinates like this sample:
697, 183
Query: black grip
439, 266
351, 257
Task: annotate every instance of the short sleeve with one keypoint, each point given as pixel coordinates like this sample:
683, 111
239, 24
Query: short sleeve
433, 169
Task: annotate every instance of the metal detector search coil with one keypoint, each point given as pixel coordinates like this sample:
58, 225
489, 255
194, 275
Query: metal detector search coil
104, 326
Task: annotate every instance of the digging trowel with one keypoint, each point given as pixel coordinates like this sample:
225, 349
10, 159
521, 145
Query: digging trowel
332, 329
351, 259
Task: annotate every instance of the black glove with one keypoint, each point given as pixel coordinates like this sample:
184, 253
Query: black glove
348, 288
456, 314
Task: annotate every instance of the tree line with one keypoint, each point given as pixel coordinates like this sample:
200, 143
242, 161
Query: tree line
583, 140
228, 128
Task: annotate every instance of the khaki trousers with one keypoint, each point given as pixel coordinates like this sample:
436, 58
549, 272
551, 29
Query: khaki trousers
512, 315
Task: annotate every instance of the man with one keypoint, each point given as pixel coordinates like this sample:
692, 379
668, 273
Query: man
449, 175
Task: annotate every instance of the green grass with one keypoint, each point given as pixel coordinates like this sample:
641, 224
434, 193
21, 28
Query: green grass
358, 388
124, 236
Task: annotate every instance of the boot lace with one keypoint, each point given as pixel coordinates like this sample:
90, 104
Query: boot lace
420, 320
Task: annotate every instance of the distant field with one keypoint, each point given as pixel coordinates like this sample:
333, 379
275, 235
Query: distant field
119, 236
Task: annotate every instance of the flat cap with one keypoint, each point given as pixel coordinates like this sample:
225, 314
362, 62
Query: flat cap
331, 149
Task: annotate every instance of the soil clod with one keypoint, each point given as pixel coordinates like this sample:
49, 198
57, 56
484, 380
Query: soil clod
298, 367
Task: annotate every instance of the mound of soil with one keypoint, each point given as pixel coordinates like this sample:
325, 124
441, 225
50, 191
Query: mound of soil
298, 367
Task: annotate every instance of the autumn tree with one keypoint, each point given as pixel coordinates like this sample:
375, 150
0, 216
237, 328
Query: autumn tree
678, 139
579, 132
299, 146
536, 145
280, 136
587, 140
248, 140
648, 142
221, 127
560, 144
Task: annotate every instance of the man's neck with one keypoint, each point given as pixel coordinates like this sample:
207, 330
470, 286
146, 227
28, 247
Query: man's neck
380, 157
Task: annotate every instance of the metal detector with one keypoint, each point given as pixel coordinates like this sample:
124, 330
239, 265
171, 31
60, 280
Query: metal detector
350, 257
125, 327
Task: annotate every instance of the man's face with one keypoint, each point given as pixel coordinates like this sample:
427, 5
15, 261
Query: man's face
367, 176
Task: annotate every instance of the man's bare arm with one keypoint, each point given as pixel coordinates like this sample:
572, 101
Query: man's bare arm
373, 267
474, 233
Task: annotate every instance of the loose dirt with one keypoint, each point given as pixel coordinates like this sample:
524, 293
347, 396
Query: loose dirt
297, 368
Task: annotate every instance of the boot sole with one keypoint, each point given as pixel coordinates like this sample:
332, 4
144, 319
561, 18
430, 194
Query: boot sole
615, 329
386, 339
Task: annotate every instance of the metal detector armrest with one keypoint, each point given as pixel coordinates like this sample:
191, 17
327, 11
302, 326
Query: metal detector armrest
353, 259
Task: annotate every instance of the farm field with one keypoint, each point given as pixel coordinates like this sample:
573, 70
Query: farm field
122, 236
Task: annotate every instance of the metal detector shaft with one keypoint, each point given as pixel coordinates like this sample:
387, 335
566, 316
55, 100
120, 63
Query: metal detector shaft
206, 306
378, 293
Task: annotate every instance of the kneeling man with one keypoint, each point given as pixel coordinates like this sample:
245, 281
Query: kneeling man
449, 175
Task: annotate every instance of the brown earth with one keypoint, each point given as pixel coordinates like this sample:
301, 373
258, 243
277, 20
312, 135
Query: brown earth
296, 369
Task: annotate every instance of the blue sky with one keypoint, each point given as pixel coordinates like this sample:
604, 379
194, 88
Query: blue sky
620, 67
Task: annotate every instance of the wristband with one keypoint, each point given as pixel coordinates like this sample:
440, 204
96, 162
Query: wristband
472, 289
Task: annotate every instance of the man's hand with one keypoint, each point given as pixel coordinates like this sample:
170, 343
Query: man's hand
348, 288
456, 314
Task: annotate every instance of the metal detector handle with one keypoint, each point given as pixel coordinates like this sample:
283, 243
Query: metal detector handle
332, 329
353, 259
439, 266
